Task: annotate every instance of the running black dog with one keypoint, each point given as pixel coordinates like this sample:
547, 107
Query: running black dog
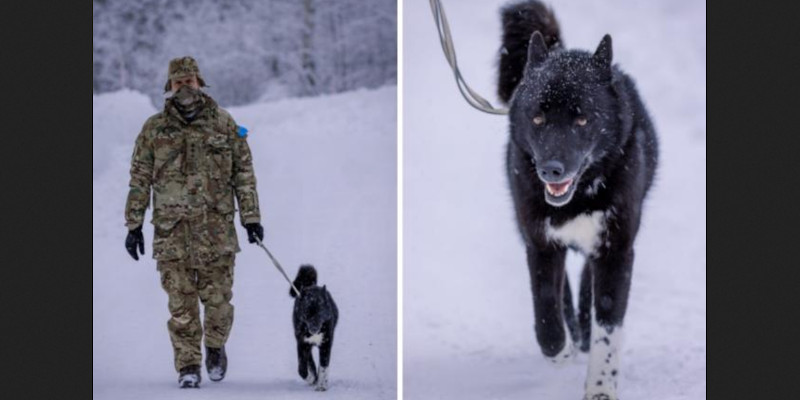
580, 160
314, 317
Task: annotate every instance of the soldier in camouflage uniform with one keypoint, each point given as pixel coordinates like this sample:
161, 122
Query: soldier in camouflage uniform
195, 159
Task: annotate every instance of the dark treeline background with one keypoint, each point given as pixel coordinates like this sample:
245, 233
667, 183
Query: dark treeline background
248, 50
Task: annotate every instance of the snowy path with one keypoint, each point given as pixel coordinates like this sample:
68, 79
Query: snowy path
326, 170
468, 328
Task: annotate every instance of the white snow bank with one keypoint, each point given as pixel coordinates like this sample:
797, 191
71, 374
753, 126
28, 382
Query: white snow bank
114, 117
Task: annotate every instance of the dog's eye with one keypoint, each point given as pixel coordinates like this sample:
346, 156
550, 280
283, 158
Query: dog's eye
580, 121
538, 120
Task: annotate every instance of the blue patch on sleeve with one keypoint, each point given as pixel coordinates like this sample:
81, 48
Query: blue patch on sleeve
241, 131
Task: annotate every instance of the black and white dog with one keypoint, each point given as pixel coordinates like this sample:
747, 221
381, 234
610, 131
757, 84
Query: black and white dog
314, 318
580, 160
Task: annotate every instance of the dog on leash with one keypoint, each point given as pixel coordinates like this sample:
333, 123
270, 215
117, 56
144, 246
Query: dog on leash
580, 160
314, 318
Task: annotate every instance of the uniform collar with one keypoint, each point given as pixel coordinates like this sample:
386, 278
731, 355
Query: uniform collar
202, 117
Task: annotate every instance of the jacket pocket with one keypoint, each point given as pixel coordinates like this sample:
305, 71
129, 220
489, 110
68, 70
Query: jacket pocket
169, 154
222, 233
221, 152
169, 240
220, 187
224, 203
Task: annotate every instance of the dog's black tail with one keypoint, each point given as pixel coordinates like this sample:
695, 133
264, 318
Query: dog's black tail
520, 21
306, 276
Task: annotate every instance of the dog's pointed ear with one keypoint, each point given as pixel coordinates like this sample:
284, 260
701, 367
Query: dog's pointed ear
603, 55
537, 50
325, 288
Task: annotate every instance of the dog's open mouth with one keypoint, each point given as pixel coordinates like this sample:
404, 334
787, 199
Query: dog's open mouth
558, 189
560, 193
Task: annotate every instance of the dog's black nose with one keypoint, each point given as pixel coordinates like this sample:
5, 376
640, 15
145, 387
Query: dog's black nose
551, 171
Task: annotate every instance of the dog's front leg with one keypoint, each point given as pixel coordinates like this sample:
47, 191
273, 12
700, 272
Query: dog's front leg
305, 362
585, 307
611, 284
324, 361
546, 267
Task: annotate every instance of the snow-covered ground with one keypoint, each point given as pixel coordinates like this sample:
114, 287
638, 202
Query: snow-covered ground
468, 315
326, 170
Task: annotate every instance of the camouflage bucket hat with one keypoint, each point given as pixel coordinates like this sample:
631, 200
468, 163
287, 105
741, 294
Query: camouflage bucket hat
181, 67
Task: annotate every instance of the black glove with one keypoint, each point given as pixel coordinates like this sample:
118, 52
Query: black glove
254, 230
135, 239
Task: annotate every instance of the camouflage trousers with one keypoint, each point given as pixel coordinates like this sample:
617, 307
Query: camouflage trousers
186, 281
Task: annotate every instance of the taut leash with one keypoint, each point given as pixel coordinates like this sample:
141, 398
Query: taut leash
277, 265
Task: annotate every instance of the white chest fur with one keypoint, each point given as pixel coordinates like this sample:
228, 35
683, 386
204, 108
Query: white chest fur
315, 339
583, 231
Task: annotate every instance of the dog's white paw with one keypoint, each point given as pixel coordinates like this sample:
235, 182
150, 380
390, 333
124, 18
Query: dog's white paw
566, 354
322, 382
311, 378
216, 374
600, 396
603, 373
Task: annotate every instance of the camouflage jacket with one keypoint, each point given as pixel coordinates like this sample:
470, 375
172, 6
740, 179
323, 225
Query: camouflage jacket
194, 170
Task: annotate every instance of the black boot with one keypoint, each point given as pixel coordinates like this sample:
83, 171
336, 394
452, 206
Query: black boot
189, 377
216, 363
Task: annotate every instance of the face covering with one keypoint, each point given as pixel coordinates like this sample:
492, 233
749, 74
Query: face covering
188, 101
